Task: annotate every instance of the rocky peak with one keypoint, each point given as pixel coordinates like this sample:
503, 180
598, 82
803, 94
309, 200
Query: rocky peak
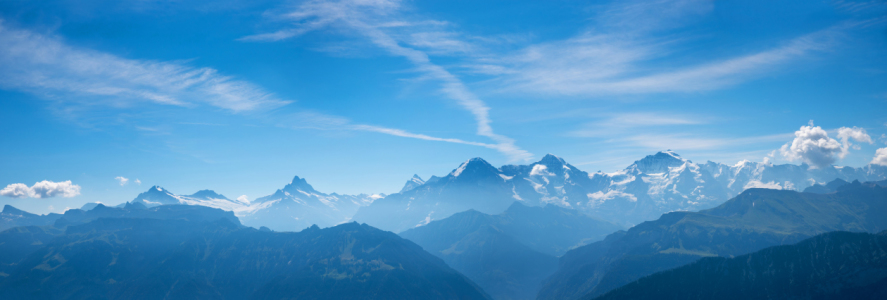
659, 162
299, 184
473, 167
413, 183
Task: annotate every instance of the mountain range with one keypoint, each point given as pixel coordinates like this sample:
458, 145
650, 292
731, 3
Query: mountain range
835, 265
657, 184
193, 252
756, 219
643, 191
294, 207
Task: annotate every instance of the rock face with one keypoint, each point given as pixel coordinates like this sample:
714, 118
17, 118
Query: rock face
836, 265
756, 219
185, 252
509, 254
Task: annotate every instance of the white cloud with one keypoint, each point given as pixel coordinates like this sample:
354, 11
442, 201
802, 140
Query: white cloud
371, 20
769, 157
813, 146
599, 197
122, 180
42, 189
138, 182
16, 190
880, 157
845, 134
243, 199
754, 184
45, 65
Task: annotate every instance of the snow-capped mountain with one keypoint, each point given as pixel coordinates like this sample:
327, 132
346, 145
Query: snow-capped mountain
475, 184
295, 207
298, 206
643, 191
646, 189
159, 196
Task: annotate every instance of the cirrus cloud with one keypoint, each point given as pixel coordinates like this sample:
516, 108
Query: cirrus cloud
44, 64
42, 189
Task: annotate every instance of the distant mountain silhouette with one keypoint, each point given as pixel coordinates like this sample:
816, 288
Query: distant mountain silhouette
836, 265
193, 213
756, 219
830, 187
13, 217
509, 254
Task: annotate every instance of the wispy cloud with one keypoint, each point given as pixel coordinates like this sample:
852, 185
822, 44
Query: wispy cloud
371, 20
44, 64
615, 63
697, 142
619, 124
320, 121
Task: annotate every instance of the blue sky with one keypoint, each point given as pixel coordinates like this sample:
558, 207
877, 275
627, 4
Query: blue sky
356, 96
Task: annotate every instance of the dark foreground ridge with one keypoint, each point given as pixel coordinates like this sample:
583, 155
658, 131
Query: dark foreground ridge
836, 265
178, 253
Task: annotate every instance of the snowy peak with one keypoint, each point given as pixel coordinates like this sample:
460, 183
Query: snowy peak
551, 159
208, 194
659, 162
156, 196
413, 183
475, 167
551, 163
